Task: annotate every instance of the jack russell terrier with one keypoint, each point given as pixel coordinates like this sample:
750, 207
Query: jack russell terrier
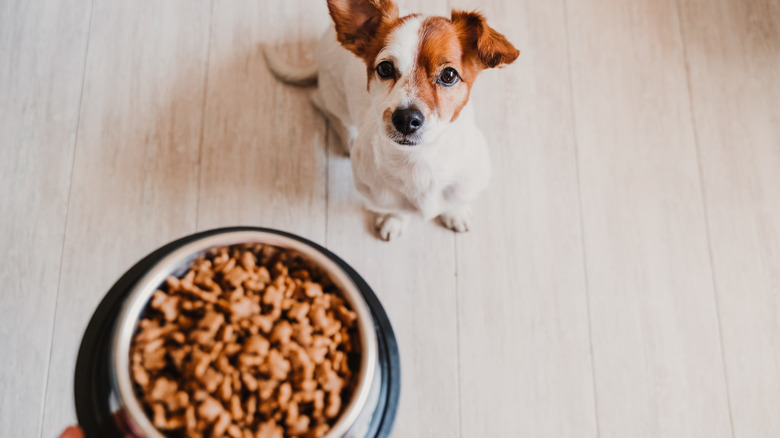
395, 89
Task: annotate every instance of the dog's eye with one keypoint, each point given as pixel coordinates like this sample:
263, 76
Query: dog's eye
385, 70
449, 77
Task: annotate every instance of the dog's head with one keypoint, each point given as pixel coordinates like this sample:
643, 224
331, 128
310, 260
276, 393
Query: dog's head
420, 69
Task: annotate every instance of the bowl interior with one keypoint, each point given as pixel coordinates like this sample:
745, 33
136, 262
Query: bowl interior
176, 263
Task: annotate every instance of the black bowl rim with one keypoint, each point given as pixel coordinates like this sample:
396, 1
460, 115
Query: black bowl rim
92, 384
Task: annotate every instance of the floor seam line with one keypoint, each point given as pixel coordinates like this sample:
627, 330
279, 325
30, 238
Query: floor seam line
203, 118
573, 121
708, 234
65, 225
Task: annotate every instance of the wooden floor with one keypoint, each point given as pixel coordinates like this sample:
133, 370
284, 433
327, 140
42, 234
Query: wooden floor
623, 275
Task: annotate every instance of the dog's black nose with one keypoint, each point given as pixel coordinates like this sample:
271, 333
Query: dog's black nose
407, 120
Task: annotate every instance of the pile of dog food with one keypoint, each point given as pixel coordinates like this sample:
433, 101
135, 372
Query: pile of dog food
252, 342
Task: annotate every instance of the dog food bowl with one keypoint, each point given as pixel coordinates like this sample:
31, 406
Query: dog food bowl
106, 401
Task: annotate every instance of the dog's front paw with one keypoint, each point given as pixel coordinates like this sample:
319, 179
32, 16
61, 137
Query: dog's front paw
389, 226
458, 220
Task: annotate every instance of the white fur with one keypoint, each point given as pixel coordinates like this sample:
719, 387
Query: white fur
439, 176
402, 46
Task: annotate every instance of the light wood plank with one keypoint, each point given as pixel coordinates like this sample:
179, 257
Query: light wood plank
414, 278
523, 316
136, 164
42, 49
655, 335
733, 57
263, 144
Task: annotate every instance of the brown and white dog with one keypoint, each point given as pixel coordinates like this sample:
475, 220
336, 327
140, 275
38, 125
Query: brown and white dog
398, 97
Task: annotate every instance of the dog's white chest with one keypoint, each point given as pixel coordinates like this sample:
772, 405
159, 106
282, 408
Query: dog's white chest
420, 185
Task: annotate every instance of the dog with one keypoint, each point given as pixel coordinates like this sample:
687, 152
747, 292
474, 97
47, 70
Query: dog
395, 89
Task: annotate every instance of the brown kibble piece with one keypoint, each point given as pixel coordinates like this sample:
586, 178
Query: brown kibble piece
211, 380
348, 317
270, 429
162, 422
236, 276
154, 359
210, 409
319, 348
234, 431
302, 333
189, 417
312, 290
282, 333
328, 379
298, 311
273, 297
264, 322
200, 362
179, 401
334, 404
139, 372
163, 389
285, 394
276, 365
250, 407
299, 426
249, 381
301, 361
248, 261
235, 407
319, 431
257, 345
220, 427
166, 304
266, 389
244, 308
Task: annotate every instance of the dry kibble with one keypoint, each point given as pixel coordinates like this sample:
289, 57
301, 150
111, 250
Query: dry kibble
251, 342
234, 431
257, 345
250, 406
249, 381
282, 333
266, 389
243, 308
220, 427
236, 276
168, 305
298, 311
276, 365
299, 426
163, 389
334, 404
211, 380
180, 401
285, 393
270, 429
210, 409
302, 333
235, 407
154, 360
319, 348
312, 290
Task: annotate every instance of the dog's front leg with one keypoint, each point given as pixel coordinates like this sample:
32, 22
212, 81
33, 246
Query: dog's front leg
390, 226
457, 219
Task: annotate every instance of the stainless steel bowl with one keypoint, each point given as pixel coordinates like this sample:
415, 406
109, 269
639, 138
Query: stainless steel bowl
355, 419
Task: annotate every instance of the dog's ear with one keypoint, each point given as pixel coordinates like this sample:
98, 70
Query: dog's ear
358, 20
490, 47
